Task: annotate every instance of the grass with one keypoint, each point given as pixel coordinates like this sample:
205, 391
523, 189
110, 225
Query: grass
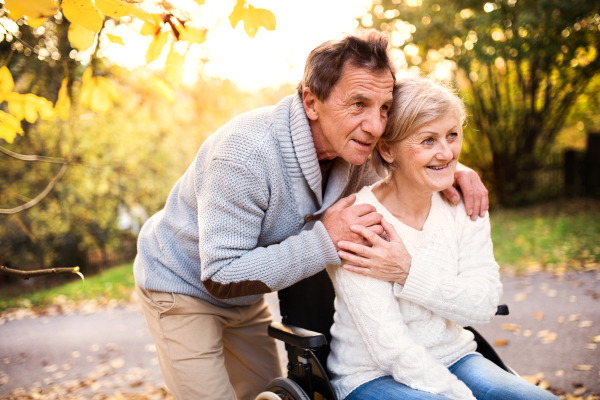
116, 283
555, 236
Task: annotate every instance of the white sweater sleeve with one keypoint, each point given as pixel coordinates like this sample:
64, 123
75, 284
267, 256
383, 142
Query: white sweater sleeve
376, 313
468, 296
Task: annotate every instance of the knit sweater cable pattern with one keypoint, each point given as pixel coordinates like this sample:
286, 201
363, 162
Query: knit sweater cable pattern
414, 332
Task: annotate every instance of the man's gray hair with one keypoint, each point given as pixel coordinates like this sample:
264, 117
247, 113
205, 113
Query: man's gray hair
324, 65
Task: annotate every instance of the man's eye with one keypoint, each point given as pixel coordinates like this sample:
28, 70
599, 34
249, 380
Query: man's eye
359, 104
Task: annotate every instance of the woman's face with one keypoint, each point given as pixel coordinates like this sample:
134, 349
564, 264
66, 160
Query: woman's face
426, 160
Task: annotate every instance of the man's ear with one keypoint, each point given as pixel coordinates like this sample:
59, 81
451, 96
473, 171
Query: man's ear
309, 100
386, 152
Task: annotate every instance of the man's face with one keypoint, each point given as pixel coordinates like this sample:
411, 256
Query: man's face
351, 120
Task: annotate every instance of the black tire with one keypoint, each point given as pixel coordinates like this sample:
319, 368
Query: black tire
286, 389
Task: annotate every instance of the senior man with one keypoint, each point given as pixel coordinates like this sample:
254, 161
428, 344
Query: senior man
258, 210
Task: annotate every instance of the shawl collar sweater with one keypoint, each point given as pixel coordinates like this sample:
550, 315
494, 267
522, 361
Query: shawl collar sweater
243, 219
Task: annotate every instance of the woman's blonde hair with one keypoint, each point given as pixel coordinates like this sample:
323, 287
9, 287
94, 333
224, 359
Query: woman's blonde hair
417, 101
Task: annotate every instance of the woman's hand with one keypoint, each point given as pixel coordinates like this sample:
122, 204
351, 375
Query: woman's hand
386, 261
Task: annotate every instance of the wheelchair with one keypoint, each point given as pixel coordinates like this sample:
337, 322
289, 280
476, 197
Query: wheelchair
306, 321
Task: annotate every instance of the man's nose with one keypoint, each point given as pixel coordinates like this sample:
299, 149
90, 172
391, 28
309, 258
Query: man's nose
374, 123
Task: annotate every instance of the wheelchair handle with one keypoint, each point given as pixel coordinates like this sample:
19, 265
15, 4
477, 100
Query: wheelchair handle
502, 310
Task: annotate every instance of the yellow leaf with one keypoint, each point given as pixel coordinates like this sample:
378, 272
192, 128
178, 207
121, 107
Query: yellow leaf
156, 46
36, 22
9, 127
87, 75
253, 18
501, 342
63, 104
27, 106
200, 2
163, 88
118, 9
191, 35
6, 81
111, 90
174, 67
32, 9
16, 105
84, 13
100, 102
115, 39
80, 37
87, 89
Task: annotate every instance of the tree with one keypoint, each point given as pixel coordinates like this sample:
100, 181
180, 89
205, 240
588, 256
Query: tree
521, 65
41, 64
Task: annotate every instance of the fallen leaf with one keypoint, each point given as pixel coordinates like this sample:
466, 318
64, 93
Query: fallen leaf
543, 333
561, 319
75, 354
93, 348
544, 384
501, 342
538, 316
586, 324
117, 363
511, 327
527, 333
573, 299
596, 339
550, 337
552, 293
579, 391
583, 367
520, 297
136, 384
590, 346
574, 317
559, 373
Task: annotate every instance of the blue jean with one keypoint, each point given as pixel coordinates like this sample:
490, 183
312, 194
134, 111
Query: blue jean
486, 380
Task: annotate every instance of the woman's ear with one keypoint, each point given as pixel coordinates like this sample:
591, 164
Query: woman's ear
385, 151
309, 100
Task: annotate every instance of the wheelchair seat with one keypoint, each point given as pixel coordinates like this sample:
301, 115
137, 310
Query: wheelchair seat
307, 310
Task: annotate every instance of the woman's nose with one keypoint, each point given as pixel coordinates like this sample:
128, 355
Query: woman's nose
445, 152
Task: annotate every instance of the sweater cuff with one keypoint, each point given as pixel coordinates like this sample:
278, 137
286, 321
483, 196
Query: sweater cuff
419, 285
327, 246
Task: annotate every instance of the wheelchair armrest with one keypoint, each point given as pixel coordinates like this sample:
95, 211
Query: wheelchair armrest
502, 309
295, 336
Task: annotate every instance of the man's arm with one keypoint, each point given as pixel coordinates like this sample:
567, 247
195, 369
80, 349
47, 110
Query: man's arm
475, 195
232, 204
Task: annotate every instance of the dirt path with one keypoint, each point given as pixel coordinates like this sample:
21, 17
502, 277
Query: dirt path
552, 322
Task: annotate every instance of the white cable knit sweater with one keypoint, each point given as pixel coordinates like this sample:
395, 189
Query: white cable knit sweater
414, 333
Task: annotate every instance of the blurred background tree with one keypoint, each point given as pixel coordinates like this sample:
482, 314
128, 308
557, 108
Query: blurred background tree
56, 91
521, 66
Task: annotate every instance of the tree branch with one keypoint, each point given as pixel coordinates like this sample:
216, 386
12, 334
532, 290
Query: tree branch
40, 272
34, 158
33, 202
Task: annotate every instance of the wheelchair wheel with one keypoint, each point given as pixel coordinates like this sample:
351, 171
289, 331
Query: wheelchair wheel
283, 389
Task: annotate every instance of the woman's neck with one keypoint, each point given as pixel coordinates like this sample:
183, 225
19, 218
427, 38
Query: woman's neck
409, 205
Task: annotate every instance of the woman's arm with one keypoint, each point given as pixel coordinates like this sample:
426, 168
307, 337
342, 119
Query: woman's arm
468, 297
376, 314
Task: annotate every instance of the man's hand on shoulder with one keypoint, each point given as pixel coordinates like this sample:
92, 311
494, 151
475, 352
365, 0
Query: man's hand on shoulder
342, 215
475, 194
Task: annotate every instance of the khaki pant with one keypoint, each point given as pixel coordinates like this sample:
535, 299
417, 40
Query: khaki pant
209, 352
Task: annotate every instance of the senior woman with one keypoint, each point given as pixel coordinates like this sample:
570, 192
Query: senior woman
404, 339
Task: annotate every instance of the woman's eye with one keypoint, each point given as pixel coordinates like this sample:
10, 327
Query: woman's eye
427, 141
453, 135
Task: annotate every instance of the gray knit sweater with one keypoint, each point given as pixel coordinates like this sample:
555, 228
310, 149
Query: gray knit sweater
235, 225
